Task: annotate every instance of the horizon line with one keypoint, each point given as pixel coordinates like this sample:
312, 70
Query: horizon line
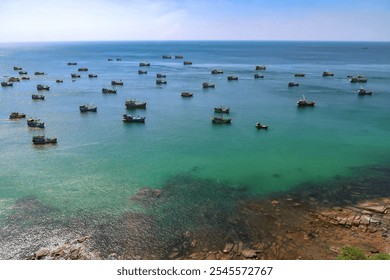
195, 40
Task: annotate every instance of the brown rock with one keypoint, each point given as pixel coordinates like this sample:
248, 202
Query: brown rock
249, 253
42, 253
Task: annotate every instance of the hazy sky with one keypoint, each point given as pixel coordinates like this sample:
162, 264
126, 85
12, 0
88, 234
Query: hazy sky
75, 20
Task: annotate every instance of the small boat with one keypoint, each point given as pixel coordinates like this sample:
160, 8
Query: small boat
132, 104
92, 76
178, 57
13, 79
119, 59
304, 103
107, 90
88, 108
38, 97
299, 75
161, 76
83, 69
258, 76
161, 82
59, 81
42, 140
216, 71
25, 78
22, 72
72, 63
208, 85
7, 84
187, 94
144, 64
232, 78
140, 72
109, 59
75, 75
16, 115
17, 68
116, 83
221, 109
43, 87
166, 57
35, 123
187, 62
261, 126
327, 74
221, 120
132, 119
39, 73
358, 79
292, 84
261, 67
363, 91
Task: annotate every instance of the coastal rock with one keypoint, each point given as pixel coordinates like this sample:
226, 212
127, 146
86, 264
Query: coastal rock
228, 247
249, 253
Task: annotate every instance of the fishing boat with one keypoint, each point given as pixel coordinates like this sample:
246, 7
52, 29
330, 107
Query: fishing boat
304, 103
13, 79
59, 81
36, 123
292, 84
358, 79
75, 75
208, 85
16, 115
178, 57
107, 90
132, 104
17, 68
161, 82
132, 119
166, 57
117, 83
92, 76
144, 64
363, 91
187, 62
42, 140
261, 126
161, 75
186, 94
88, 108
222, 109
72, 63
216, 71
140, 72
25, 78
38, 97
261, 67
83, 69
43, 87
7, 84
232, 78
258, 76
22, 72
221, 120
327, 74
299, 75
39, 73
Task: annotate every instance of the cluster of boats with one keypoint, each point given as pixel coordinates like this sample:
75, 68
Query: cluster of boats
160, 79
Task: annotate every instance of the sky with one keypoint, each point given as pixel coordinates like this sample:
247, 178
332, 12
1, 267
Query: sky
126, 20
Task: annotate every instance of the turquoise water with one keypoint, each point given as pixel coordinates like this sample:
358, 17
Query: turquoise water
99, 162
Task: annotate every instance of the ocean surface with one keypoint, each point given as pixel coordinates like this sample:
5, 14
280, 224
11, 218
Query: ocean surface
100, 163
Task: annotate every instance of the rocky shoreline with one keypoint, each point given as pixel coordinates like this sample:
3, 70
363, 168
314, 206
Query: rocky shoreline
287, 226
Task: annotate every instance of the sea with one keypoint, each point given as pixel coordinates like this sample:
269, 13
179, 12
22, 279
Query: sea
177, 170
